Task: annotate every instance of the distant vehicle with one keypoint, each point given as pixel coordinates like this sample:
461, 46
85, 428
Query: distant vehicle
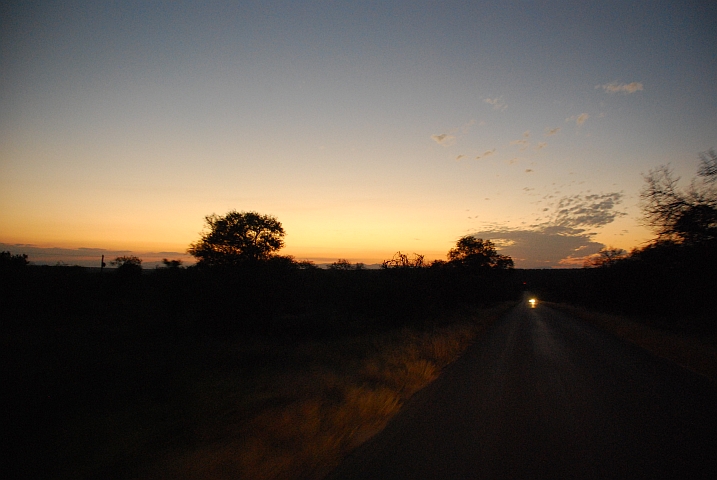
533, 302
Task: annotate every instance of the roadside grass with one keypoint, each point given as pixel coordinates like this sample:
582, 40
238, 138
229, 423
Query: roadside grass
300, 420
124, 404
695, 352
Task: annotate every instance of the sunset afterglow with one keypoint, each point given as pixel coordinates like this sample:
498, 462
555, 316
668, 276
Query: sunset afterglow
364, 128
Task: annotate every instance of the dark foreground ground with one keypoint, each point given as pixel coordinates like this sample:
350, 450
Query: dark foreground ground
545, 396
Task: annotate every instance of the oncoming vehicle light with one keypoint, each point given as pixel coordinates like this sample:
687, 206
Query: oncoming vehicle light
533, 302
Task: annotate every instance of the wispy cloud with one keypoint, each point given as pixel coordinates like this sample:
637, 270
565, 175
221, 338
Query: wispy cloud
562, 240
487, 153
581, 211
573, 262
497, 103
523, 142
625, 88
578, 119
460, 157
541, 145
549, 132
444, 139
467, 126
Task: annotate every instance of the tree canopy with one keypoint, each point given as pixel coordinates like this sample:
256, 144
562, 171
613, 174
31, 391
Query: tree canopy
343, 264
606, 257
401, 260
237, 238
478, 253
128, 265
8, 260
687, 215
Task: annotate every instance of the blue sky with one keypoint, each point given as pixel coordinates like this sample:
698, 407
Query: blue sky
365, 127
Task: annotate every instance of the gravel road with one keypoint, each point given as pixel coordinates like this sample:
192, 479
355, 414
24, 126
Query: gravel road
543, 395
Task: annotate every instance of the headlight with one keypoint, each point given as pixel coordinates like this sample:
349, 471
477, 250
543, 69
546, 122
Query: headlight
533, 302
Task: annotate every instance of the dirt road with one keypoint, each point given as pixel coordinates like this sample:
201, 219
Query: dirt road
543, 395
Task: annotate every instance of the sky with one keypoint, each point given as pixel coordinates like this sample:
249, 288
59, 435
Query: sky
366, 128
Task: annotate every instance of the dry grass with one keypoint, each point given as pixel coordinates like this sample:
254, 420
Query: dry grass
697, 353
330, 398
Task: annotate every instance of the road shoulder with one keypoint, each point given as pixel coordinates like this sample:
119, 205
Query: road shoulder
696, 353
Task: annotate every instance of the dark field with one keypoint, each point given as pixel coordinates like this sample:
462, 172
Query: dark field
112, 376
264, 372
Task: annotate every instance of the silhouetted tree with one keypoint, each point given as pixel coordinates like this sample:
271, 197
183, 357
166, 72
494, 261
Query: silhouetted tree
341, 264
128, 265
8, 260
474, 252
401, 260
306, 265
172, 263
708, 165
606, 257
683, 215
237, 238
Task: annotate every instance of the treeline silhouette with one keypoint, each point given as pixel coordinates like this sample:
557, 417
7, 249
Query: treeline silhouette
277, 297
240, 283
669, 285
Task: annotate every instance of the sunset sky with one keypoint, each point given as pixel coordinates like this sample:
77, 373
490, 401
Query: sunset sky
365, 127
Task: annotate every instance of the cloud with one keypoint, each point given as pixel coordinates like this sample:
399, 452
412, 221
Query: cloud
572, 261
541, 145
624, 88
444, 139
528, 170
467, 126
523, 142
578, 211
497, 103
487, 153
551, 131
561, 241
578, 119
459, 157
534, 248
